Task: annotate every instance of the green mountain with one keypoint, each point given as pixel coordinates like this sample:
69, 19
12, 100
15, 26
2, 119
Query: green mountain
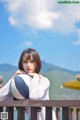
7, 70
47, 67
55, 74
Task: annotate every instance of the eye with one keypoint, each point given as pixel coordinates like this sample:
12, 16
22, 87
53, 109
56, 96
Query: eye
32, 61
24, 61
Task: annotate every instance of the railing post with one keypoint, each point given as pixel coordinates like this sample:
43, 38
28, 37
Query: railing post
65, 113
58, 113
48, 113
10, 111
21, 115
33, 113
78, 114
1, 110
71, 113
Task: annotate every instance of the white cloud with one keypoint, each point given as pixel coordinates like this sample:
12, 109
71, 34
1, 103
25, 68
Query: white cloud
43, 14
34, 14
12, 21
43, 20
68, 17
27, 43
77, 42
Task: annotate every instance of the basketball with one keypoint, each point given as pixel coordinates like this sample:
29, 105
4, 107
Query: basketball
20, 86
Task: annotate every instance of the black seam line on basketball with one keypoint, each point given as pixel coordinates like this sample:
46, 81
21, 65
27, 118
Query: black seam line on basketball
22, 87
30, 75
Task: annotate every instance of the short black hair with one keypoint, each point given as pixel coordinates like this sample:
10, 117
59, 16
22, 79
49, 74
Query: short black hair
30, 53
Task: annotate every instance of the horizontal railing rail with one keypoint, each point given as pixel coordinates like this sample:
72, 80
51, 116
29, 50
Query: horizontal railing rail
64, 109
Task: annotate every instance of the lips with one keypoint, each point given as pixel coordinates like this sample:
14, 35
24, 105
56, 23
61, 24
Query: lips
29, 69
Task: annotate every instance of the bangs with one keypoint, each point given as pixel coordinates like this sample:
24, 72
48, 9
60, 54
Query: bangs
28, 57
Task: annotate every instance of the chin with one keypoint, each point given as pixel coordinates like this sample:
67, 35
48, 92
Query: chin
30, 72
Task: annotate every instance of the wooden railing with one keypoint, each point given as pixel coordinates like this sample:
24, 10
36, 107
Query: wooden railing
65, 109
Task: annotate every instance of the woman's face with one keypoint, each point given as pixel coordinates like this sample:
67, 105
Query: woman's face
29, 66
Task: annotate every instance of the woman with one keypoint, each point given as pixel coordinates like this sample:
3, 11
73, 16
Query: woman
30, 63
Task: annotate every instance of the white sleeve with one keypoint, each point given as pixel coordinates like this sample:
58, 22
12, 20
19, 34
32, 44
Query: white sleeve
38, 87
5, 93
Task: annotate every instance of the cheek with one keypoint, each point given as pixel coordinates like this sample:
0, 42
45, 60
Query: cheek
34, 66
24, 65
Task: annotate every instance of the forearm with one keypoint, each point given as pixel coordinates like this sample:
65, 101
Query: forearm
5, 91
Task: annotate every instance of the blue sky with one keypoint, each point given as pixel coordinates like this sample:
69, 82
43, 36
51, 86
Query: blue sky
52, 29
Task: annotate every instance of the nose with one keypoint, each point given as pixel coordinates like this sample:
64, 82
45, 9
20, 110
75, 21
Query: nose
28, 64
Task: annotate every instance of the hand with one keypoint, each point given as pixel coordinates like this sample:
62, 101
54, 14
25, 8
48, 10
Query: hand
33, 74
77, 76
19, 72
40, 76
